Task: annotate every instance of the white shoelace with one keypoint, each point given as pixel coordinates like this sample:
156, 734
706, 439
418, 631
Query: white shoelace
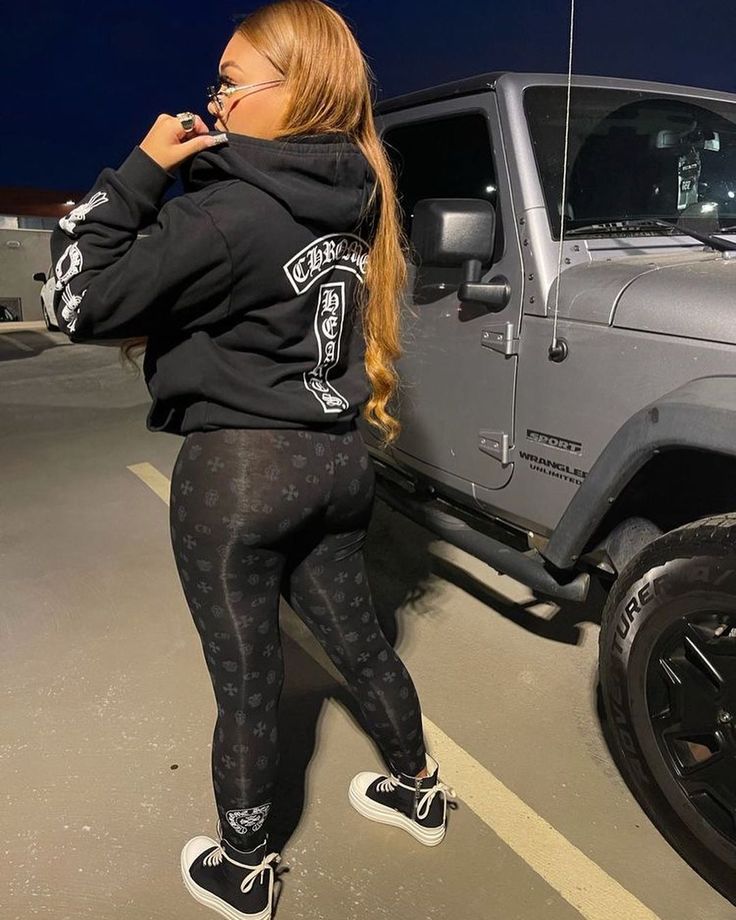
216, 856
427, 797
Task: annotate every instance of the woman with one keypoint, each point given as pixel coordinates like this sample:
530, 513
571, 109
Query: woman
266, 296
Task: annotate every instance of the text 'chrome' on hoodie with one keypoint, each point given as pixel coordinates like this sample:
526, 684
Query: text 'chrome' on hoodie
245, 285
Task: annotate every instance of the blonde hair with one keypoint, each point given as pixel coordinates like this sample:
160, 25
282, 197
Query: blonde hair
330, 86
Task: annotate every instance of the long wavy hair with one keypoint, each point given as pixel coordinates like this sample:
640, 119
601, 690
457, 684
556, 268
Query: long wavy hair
330, 87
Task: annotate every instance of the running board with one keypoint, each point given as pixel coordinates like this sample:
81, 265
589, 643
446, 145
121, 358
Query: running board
528, 568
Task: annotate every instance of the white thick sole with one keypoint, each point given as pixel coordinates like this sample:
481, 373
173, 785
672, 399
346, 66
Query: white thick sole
430, 837
192, 849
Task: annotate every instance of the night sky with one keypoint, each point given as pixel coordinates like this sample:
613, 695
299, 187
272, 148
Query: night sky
83, 82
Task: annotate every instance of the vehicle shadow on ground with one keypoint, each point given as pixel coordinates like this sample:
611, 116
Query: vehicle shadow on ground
16, 346
398, 551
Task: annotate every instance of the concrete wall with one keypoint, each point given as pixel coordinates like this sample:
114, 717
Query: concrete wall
22, 253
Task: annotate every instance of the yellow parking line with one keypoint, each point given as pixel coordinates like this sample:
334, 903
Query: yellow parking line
156, 481
28, 325
579, 880
565, 868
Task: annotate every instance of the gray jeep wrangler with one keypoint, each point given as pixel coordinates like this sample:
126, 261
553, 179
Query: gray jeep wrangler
569, 406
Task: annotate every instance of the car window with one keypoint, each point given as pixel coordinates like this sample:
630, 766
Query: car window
634, 155
448, 157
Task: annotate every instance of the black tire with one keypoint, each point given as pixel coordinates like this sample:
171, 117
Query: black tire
668, 681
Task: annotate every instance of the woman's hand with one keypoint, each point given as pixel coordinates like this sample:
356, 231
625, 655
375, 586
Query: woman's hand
167, 143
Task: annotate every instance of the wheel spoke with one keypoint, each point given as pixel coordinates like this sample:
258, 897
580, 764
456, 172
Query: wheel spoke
669, 673
694, 698
699, 653
714, 776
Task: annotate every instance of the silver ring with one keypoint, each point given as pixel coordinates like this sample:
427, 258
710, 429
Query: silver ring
186, 119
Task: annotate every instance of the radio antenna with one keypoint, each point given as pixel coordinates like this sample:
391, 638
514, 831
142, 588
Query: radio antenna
558, 348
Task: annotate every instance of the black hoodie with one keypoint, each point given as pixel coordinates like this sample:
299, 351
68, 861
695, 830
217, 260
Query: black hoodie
244, 285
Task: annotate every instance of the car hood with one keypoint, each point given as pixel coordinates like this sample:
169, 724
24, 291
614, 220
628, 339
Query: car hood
694, 299
689, 294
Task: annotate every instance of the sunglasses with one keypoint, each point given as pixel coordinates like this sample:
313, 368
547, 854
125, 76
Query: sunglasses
215, 93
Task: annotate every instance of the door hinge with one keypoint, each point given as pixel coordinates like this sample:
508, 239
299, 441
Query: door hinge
500, 337
496, 444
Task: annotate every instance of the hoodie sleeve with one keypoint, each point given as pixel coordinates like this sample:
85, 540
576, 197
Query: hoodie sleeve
112, 284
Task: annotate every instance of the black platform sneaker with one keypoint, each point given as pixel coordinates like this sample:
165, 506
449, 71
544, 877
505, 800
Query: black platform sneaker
237, 884
417, 805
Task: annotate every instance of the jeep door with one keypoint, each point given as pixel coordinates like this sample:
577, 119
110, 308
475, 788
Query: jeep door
458, 368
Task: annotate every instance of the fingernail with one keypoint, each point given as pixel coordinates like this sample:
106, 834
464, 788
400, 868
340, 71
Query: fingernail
217, 139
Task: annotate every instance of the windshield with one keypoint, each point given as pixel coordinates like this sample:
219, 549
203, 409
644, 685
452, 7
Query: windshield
634, 155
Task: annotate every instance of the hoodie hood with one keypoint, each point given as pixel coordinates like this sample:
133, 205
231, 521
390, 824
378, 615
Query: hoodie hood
323, 179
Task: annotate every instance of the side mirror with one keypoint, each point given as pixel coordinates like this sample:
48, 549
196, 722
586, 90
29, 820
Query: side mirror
40, 276
460, 231
454, 231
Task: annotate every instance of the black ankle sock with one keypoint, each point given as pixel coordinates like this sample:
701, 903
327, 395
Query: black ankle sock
246, 842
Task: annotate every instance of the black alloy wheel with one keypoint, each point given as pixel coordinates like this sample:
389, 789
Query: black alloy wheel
668, 678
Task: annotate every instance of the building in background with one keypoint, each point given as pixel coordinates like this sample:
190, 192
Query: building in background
27, 217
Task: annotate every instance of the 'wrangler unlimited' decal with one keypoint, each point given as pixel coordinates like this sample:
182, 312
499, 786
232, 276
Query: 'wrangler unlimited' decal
557, 468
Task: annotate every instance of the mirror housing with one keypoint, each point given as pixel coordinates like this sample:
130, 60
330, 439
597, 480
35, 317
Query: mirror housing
457, 232
454, 231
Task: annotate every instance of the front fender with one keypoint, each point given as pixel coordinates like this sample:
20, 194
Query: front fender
700, 415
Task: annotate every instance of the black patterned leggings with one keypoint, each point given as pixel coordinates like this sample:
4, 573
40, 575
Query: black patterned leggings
260, 512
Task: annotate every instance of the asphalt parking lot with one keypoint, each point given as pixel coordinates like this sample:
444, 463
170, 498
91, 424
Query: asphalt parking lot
108, 710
